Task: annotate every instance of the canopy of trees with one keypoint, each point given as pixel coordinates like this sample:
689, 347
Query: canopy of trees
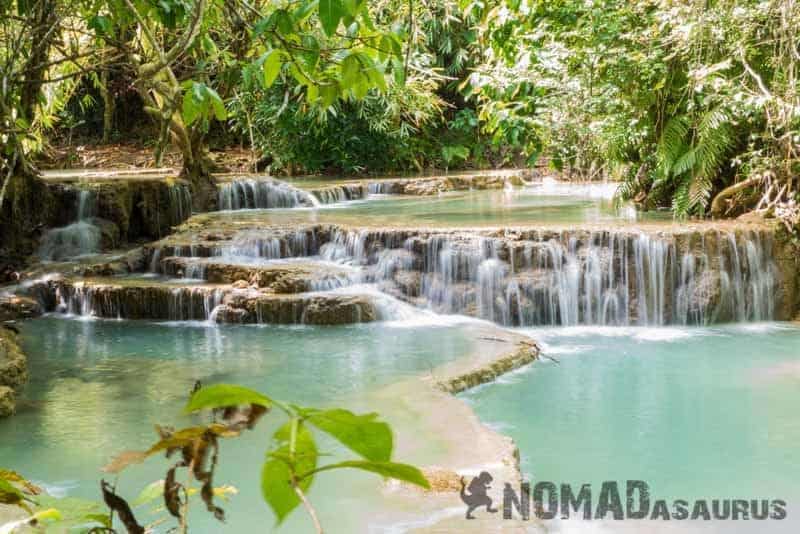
693, 105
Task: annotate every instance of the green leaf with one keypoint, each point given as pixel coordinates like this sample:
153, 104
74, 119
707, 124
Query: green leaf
223, 395
191, 107
350, 71
153, 491
304, 10
351, 7
330, 13
284, 22
101, 24
74, 511
399, 72
282, 464
328, 94
209, 47
216, 104
397, 471
362, 434
311, 51
271, 67
312, 93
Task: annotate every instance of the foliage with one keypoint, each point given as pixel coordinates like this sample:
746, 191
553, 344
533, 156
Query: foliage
290, 466
664, 95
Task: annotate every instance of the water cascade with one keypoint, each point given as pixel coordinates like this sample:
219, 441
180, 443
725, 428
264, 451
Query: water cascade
180, 203
340, 193
542, 278
262, 193
77, 239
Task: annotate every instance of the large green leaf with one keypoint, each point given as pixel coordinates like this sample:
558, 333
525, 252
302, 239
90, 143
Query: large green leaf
192, 109
276, 474
216, 104
397, 471
223, 395
350, 71
73, 511
330, 13
362, 434
271, 67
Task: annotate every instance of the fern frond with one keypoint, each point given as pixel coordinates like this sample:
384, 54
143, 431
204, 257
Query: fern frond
672, 144
685, 163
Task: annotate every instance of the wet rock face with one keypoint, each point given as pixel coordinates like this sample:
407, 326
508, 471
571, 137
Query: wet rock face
339, 310
531, 276
13, 370
279, 278
235, 303
144, 208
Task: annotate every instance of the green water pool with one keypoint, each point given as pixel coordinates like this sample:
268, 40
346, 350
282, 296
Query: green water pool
694, 412
98, 387
553, 203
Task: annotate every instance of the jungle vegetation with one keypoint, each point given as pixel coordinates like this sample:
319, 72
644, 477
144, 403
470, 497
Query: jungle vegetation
692, 105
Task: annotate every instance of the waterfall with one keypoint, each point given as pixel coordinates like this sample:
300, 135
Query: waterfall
603, 278
534, 278
249, 193
340, 193
77, 239
175, 304
180, 203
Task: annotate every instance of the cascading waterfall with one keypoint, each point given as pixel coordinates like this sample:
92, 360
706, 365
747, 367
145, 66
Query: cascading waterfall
176, 304
568, 278
262, 193
77, 239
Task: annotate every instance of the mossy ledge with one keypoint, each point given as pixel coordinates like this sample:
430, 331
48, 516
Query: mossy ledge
13, 370
524, 352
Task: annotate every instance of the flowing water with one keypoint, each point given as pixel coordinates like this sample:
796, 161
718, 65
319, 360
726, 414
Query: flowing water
77, 239
251, 193
695, 412
529, 278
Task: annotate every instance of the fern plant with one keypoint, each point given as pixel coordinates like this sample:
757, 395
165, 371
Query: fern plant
690, 155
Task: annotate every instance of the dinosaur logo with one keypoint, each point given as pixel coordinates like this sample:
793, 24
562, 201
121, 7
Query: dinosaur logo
477, 496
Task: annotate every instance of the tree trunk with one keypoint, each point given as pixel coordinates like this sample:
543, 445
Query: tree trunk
108, 106
718, 206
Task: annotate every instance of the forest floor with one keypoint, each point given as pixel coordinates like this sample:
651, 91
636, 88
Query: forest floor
117, 156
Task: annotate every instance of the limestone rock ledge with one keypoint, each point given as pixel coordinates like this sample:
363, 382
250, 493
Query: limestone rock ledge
524, 353
13, 370
154, 299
